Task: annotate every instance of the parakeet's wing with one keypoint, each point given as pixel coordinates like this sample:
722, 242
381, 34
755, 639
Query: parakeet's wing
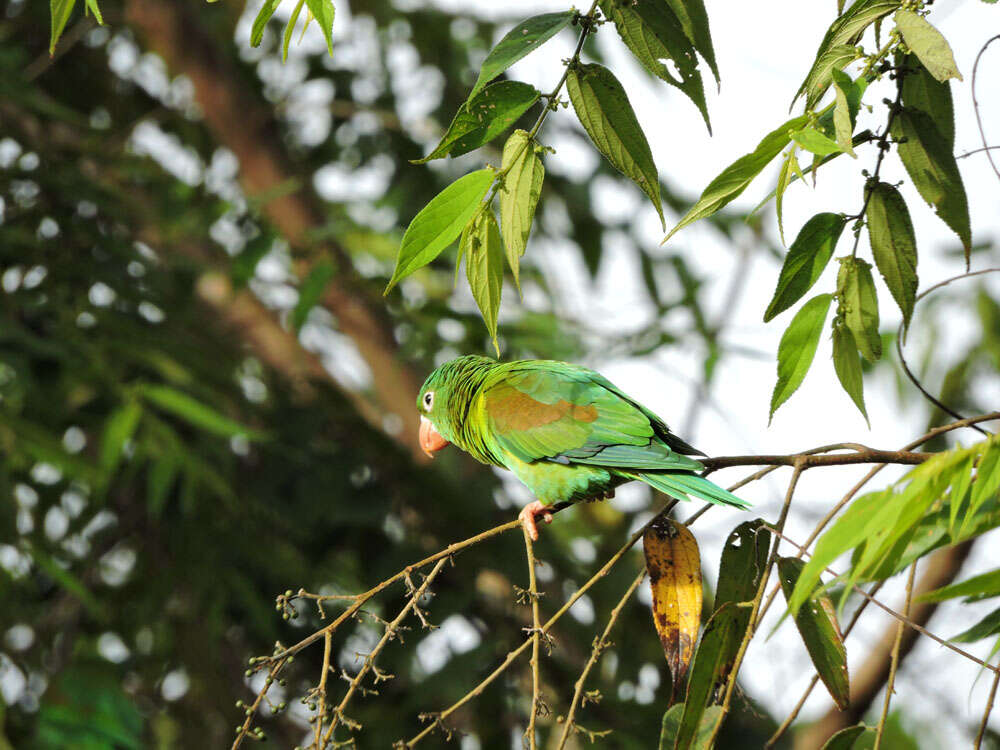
557, 412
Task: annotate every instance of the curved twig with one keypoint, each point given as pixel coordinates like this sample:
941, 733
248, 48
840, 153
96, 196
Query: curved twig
975, 103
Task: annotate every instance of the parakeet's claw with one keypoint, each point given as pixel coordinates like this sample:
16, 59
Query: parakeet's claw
529, 514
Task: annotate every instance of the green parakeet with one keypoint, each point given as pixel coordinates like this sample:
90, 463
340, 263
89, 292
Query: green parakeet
565, 431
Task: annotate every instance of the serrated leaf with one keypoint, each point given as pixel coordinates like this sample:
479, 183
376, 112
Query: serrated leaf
323, 11
484, 259
483, 118
734, 179
674, 568
977, 588
523, 39
858, 737
118, 430
440, 222
59, 11
929, 161
605, 113
817, 624
923, 91
847, 365
858, 305
894, 245
311, 292
815, 142
522, 186
798, 348
744, 556
653, 33
928, 44
843, 119
286, 39
260, 22
694, 20
805, 261
836, 58
196, 413
706, 729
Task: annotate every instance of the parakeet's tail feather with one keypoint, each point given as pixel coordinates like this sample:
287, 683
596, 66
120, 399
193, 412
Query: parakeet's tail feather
681, 485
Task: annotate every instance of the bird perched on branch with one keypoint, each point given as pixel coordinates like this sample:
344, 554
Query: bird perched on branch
565, 431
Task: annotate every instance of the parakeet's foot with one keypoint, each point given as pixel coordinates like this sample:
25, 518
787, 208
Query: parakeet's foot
529, 514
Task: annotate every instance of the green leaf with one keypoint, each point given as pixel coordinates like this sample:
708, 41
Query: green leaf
694, 20
523, 39
744, 556
440, 222
484, 259
847, 365
653, 33
857, 737
894, 245
817, 624
927, 43
805, 261
734, 179
989, 625
159, 480
260, 22
798, 347
323, 11
65, 578
834, 59
815, 142
290, 28
843, 118
60, 11
480, 120
522, 186
244, 265
118, 430
91, 5
956, 497
977, 588
858, 305
923, 91
987, 478
605, 113
713, 662
706, 729
931, 164
789, 168
196, 413
311, 292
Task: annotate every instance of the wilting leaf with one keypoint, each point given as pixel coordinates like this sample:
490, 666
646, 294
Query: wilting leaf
440, 222
483, 118
311, 292
605, 113
858, 737
674, 568
929, 160
519, 195
744, 556
706, 729
734, 179
847, 365
798, 348
196, 413
923, 91
817, 624
483, 250
927, 44
894, 245
805, 261
858, 305
523, 39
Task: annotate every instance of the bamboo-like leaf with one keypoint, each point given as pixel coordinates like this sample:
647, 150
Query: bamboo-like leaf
857, 737
927, 43
674, 568
196, 413
987, 482
894, 245
858, 305
440, 222
923, 91
706, 729
931, 164
807, 257
523, 39
798, 348
977, 588
93, 7
522, 186
260, 22
59, 11
118, 430
744, 556
311, 292
484, 259
653, 32
734, 179
847, 365
987, 626
483, 118
286, 38
817, 624
694, 20
605, 113
323, 11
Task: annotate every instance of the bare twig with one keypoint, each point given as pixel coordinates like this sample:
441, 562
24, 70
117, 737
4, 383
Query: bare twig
986, 714
861, 455
894, 663
975, 103
536, 635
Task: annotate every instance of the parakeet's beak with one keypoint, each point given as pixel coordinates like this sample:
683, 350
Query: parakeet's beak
430, 439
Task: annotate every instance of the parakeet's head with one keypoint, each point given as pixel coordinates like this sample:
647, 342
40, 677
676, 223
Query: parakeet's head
444, 397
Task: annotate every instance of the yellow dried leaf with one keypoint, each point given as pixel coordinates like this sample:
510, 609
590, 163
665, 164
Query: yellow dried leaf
674, 568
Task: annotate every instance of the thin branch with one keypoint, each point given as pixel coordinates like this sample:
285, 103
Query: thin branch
321, 713
975, 103
600, 644
536, 635
894, 663
986, 714
977, 151
861, 455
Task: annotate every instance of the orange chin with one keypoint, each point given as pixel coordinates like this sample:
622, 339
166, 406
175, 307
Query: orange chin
430, 439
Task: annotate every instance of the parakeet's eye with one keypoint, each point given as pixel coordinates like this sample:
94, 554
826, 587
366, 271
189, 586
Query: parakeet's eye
428, 400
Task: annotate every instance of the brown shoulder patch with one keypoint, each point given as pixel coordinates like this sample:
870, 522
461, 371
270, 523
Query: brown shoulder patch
513, 411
